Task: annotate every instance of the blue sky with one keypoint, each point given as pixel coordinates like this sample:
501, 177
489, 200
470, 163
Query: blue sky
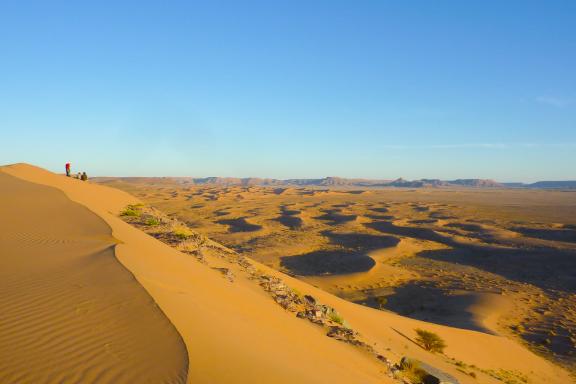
377, 89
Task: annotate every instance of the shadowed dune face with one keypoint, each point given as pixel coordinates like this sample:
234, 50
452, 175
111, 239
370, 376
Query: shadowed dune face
70, 312
361, 241
289, 218
240, 225
565, 234
540, 268
466, 226
380, 210
428, 303
447, 247
336, 218
290, 221
327, 263
352, 258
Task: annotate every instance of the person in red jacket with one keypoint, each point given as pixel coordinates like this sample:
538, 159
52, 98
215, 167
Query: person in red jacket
68, 169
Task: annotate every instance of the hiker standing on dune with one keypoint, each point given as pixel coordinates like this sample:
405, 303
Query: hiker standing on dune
68, 169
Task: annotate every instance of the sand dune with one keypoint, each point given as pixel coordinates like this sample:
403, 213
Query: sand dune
233, 331
458, 251
69, 311
233, 334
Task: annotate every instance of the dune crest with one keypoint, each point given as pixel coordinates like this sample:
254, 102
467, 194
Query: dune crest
70, 312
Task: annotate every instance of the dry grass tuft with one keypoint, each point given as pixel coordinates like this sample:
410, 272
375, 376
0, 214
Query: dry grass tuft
182, 232
131, 210
411, 370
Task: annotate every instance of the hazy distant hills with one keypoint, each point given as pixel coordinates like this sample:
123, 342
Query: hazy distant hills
342, 182
568, 184
339, 182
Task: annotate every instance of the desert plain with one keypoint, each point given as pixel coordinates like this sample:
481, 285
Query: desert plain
499, 261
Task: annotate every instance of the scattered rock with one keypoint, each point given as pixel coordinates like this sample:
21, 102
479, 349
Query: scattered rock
425, 372
310, 300
305, 307
227, 273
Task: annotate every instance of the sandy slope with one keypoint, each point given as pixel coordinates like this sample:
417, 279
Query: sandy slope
233, 334
236, 333
69, 311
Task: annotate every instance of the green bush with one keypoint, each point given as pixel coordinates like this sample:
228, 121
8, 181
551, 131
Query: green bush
182, 232
412, 371
430, 341
152, 221
335, 317
381, 300
131, 211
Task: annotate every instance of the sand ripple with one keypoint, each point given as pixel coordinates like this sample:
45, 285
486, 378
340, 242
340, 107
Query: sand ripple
70, 312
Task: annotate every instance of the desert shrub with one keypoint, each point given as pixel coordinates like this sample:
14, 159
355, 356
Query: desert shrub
430, 341
508, 377
131, 211
381, 301
335, 317
297, 293
152, 221
518, 328
182, 232
412, 371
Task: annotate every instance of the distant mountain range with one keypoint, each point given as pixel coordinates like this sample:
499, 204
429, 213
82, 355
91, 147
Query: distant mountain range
344, 182
568, 184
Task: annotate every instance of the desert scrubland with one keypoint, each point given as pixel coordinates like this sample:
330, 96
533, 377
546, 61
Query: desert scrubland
103, 286
492, 260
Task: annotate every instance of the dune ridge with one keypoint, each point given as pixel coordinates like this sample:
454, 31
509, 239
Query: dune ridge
70, 313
